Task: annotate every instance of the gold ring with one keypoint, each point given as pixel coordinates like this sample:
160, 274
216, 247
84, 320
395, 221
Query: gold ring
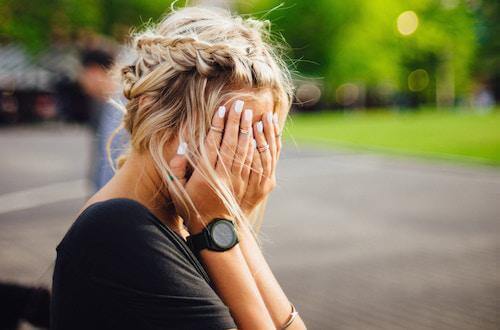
217, 129
263, 148
244, 131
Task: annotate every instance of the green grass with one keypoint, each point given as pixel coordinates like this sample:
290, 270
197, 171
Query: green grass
457, 135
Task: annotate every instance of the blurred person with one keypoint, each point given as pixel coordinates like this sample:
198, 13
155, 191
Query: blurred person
170, 242
79, 100
101, 116
108, 124
95, 82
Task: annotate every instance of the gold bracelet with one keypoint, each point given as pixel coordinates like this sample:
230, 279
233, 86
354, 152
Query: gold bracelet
293, 316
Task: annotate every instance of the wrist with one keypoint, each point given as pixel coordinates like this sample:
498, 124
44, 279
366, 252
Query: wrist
197, 224
219, 235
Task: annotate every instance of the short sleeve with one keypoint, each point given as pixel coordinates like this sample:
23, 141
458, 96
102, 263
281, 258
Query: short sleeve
138, 275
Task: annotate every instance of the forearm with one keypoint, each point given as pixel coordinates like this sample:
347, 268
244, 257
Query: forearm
237, 288
274, 298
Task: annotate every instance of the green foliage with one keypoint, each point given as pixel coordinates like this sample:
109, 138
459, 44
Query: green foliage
125, 14
312, 30
359, 42
37, 23
34, 22
367, 50
444, 34
488, 30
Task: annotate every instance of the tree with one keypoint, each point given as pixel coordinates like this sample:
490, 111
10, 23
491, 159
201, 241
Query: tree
356, 44
359, 43
37, 24
487, 64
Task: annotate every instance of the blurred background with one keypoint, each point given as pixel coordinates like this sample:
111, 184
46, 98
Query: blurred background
387, 210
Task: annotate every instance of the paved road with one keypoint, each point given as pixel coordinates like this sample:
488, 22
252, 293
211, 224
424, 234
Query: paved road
357, 241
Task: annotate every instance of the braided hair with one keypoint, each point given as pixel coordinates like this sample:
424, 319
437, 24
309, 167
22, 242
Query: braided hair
184, 67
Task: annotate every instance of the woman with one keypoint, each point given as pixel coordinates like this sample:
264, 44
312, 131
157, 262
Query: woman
169, 242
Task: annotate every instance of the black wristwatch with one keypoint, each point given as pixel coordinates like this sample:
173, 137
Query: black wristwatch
219, 235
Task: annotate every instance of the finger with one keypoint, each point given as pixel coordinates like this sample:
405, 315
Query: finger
178, 164
265, 156
245, 172
243, 142
230, 138
255, 171
277, 132
270, 137
214, 138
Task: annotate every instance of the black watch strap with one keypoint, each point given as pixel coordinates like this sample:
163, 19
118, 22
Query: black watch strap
198, 241
204, 239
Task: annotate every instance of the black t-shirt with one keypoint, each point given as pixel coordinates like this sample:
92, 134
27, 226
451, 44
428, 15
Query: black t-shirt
119, 267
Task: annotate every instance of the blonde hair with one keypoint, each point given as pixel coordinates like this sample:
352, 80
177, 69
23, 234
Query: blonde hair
194, 59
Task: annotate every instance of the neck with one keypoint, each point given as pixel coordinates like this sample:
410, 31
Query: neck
137, 179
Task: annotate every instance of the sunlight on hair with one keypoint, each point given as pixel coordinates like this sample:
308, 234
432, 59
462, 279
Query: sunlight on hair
185, 66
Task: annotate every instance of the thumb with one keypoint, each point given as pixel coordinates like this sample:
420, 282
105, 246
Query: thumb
178, 164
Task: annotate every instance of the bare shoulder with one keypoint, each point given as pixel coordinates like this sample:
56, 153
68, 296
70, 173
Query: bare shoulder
104, 194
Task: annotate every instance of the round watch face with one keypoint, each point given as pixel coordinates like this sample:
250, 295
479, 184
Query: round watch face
223, 234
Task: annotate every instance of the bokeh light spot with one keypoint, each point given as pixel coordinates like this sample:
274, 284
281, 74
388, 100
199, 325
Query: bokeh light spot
407, 22
308, 94
418, 80
347, 94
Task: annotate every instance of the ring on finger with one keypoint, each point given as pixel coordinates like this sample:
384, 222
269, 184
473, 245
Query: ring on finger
217, 129
263, 147
244, 131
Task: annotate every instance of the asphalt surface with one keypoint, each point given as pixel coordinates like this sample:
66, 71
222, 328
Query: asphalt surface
357, 241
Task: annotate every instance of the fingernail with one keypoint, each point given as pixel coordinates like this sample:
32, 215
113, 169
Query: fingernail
269, 117
181, 150
275, 118
254, 143
221, 111
238, 106
248, 114
260, 126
